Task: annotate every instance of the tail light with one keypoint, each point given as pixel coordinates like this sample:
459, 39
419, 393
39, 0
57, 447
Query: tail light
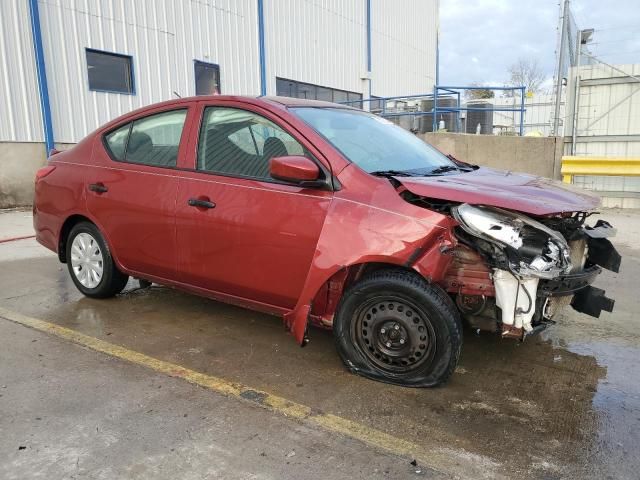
43, 172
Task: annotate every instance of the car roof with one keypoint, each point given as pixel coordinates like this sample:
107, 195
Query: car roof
281, 102
302, 102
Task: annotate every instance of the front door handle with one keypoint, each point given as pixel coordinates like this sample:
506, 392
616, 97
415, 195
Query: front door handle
201, 203
98, 187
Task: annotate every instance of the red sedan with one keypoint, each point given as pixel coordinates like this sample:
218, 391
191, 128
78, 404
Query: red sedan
324, 215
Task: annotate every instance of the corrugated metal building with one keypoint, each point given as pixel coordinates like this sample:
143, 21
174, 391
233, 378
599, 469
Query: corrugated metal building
603, 120
607, 114
105, 58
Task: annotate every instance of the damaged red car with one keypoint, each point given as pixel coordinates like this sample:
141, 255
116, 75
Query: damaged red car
327, 216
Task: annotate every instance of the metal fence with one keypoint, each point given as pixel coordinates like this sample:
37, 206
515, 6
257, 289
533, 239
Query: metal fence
446, 109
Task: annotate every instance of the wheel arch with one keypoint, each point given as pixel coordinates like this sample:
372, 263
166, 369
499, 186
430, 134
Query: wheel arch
65, 229
327, 298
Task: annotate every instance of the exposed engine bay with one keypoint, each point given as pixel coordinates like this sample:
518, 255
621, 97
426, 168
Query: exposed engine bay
512, 273
536, 267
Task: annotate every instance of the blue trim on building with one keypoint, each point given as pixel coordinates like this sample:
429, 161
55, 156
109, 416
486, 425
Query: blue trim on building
368, 35
43, 88
263, 60
438, 57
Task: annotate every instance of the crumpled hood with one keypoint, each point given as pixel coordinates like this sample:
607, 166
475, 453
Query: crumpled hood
509, 190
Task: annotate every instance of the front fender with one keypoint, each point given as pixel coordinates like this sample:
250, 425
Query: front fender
357, 233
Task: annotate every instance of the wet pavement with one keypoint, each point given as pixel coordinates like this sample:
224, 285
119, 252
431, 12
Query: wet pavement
565, 404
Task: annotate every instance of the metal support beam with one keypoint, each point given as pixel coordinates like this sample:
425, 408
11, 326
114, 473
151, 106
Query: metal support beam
604, 138
596, 82
563, 41
261, 47
369, 48
41, 72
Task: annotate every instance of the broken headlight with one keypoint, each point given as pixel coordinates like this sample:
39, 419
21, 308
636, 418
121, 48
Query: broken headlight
532, 248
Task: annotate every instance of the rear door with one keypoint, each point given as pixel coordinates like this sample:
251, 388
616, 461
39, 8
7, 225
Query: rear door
132, 188
256, 237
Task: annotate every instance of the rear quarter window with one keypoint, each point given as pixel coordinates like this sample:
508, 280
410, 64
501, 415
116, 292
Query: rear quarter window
116, 141
153, 140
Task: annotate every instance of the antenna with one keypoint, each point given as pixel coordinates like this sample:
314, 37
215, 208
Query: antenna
177, 94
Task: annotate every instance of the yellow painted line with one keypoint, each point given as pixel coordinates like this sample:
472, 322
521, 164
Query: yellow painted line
459, 464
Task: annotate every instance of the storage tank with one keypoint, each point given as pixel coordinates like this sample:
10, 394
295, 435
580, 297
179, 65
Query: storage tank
484, 118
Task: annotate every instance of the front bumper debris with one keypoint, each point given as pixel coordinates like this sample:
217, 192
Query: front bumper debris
592, 301
568, 284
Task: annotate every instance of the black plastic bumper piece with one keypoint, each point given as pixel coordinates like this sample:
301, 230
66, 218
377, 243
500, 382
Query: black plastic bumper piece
603, 253
569, 283
592, 301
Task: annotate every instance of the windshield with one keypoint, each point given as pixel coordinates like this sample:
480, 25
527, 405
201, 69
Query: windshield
373, 143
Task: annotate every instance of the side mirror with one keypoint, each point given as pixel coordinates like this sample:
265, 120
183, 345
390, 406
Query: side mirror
296, 169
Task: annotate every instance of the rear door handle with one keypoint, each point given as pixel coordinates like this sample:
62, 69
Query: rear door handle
197, 202
98, 187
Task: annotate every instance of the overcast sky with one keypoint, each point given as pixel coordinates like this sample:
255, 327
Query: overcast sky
480, 39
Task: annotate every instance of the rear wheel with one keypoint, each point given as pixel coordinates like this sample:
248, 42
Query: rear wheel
90, 263
395, 327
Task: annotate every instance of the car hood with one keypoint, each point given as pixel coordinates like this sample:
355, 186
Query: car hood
509, 190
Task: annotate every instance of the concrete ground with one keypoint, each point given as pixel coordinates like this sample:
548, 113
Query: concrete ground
562, 405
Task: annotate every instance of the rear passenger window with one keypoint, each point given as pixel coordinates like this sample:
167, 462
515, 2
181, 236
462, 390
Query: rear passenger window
241, 143
117, 141
152, 140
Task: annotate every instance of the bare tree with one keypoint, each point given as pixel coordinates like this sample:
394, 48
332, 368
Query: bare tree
527, 73
480, 93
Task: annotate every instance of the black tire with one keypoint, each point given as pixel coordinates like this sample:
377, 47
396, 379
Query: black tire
112, 280
428, 332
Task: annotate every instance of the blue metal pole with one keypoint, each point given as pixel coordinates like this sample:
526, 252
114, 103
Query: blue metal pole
263, 60
369, 47
458, 114
438, 57
369, 36
43, 89
435, 108
522, 111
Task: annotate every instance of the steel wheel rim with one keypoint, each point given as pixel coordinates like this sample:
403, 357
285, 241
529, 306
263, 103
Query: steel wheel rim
394, 334
87, 261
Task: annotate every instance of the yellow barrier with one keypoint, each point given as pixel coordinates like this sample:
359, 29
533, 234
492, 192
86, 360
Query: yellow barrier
618, 166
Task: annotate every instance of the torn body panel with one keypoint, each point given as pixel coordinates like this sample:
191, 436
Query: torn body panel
357, 233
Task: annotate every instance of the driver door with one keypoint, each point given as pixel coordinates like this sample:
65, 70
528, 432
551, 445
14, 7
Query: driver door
239, 231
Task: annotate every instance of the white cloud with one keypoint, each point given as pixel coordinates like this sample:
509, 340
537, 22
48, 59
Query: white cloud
480, 39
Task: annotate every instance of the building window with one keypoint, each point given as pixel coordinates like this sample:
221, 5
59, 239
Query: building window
207, 78
291, 88
110, 72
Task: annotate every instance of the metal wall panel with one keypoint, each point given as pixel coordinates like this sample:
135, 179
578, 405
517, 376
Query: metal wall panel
316, 41
607, 107
404, 43
20, 119
164, 38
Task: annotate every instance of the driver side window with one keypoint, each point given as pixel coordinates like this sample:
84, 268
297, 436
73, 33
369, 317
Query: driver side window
240, 143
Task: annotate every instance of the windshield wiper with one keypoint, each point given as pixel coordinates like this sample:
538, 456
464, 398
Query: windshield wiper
391, 173
444, 169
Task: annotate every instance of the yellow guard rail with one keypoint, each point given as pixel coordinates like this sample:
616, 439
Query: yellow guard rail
618, 166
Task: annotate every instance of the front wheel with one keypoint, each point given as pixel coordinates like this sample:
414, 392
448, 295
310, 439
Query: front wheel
90, 263
395, 327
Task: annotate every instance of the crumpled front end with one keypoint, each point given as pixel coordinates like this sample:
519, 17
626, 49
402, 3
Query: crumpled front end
512, 273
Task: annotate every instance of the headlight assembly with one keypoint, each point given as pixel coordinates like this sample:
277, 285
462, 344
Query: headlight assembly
533, 248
